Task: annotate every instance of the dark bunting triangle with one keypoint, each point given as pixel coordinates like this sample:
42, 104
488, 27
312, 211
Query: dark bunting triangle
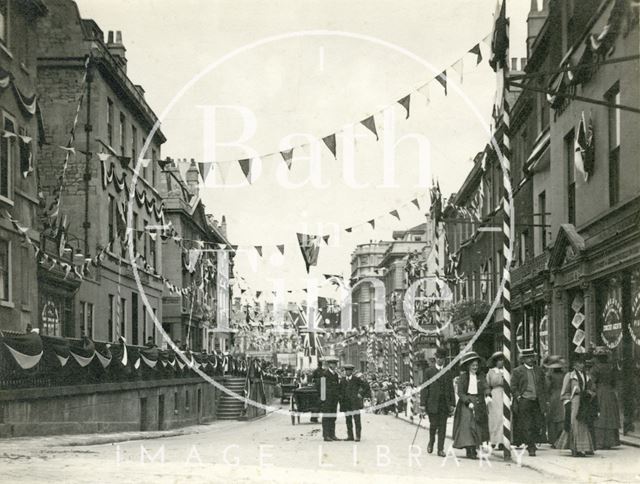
370, 124
405, 103
330, 141
245, 166
476, 50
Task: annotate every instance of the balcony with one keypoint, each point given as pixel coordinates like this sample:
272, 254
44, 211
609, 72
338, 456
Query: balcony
530, 269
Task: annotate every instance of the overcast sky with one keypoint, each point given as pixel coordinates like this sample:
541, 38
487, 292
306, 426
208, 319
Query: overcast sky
313, 84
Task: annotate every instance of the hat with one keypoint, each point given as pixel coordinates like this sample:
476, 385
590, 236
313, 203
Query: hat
469, 357
498, 355
600, 351
329, 359
554, 361
527, 352
348, 366
441, 353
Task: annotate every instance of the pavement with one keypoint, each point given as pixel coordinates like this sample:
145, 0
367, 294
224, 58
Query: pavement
271, 449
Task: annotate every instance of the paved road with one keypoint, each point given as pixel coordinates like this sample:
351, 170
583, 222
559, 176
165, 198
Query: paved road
266, 450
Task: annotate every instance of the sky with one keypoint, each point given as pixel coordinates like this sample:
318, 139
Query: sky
369, 55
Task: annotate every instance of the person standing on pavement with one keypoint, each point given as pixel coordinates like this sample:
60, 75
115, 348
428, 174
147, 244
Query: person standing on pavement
555, 409
437, 400
495, 381
353, 391
470, 425
608, 422
328, 387
530, 401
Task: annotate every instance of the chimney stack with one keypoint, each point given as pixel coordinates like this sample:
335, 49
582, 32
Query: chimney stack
535, 21
117, 49
193, 180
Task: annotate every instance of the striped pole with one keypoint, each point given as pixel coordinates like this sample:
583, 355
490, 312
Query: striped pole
506, 293
411, 358
438, 293
396, 357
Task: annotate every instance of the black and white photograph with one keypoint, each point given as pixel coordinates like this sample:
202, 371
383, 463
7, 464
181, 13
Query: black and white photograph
314, 241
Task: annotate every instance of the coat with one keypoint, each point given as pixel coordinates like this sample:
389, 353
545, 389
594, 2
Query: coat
439, 396
353, 391
470, 427
519, 385
332, 390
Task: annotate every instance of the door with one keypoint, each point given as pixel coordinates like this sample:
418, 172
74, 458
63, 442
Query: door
144, 417
160, 412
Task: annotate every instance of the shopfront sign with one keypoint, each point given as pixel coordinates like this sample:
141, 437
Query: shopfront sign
634, 327
612, 327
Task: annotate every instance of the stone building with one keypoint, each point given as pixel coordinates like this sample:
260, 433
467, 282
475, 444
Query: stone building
20, 140
82, 78
201, 259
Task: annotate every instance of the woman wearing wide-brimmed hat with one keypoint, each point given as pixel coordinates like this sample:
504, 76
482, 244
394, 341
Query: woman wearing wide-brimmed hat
470, 426
555, 366
578, 396
608, 422
495, 382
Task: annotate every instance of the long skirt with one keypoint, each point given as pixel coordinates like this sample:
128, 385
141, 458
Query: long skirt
496, 411
578, 437
470, 427
608, 421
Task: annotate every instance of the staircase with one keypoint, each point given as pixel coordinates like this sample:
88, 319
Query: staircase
229, 407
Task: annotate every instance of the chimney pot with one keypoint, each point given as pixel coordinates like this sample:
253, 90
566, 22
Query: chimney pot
514, 63
110, 37
119, 37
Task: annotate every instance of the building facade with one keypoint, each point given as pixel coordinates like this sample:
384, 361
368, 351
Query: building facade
19, 155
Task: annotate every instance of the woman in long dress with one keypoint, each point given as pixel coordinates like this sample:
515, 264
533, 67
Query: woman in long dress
495, 382
470, 425
578, 396
555, 408
608, 422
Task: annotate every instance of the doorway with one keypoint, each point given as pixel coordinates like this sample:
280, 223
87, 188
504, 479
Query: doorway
144, 415
160, 412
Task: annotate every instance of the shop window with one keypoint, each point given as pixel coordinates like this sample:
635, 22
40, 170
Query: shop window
5, 270
56, 314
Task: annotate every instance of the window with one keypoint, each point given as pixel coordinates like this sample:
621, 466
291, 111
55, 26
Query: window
144, 326
123, 317
543, 108
110, 122
134, 318
4, 21
154, 157
145, 167
7, 157
110, 335
135, 234
613, 97
571, 177
123, 120
111, 235
86, 318
134, 144
152, 249
522, 254
5, 270
542, 208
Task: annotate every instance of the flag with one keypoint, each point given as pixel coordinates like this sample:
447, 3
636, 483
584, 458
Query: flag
372, 222
330, 142
326, 239
584, 152
245, 166
204, 168
416, 203
405, 103
500, 39
281, 248
442, 79
287, 156
436, 202
310, 248
395, 214
476, 50
370, 124
259, 250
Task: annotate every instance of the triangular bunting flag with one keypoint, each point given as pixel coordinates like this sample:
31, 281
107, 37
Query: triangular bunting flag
395, 214
405, 102
416, 202
370, 124
204, 168
326, 239
442, 79
245, 166
287, 156
281, 248
372, 222
310, 249
259, 250
330, 142
349, 229
476, 50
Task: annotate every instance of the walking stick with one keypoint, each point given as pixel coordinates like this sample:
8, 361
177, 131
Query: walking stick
417, 428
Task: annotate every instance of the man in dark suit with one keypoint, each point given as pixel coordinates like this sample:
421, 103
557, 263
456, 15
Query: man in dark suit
438, 401
529, 400
328, 386
353, 391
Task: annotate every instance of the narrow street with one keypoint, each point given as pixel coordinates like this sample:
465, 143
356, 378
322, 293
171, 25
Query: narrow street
270, 449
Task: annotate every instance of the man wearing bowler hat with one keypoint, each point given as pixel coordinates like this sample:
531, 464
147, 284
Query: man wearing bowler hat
438, 401
328, 386
353, 391
529, 401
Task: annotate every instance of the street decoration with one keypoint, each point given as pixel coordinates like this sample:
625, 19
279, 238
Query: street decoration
584, 148
612, 323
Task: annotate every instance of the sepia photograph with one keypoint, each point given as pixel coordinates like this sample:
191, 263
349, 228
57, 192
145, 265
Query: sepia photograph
314, 241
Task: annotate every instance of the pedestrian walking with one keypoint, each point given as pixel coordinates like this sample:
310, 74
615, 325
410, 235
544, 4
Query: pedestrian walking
495, 382
329, 390
470, 426
578, 396
353, 391
528, 386
555, 366
607, 424
408, 398
438, 401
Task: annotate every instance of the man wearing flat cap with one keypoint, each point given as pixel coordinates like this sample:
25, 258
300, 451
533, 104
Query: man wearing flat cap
438, 401
529, 401
353, 391
328, 387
